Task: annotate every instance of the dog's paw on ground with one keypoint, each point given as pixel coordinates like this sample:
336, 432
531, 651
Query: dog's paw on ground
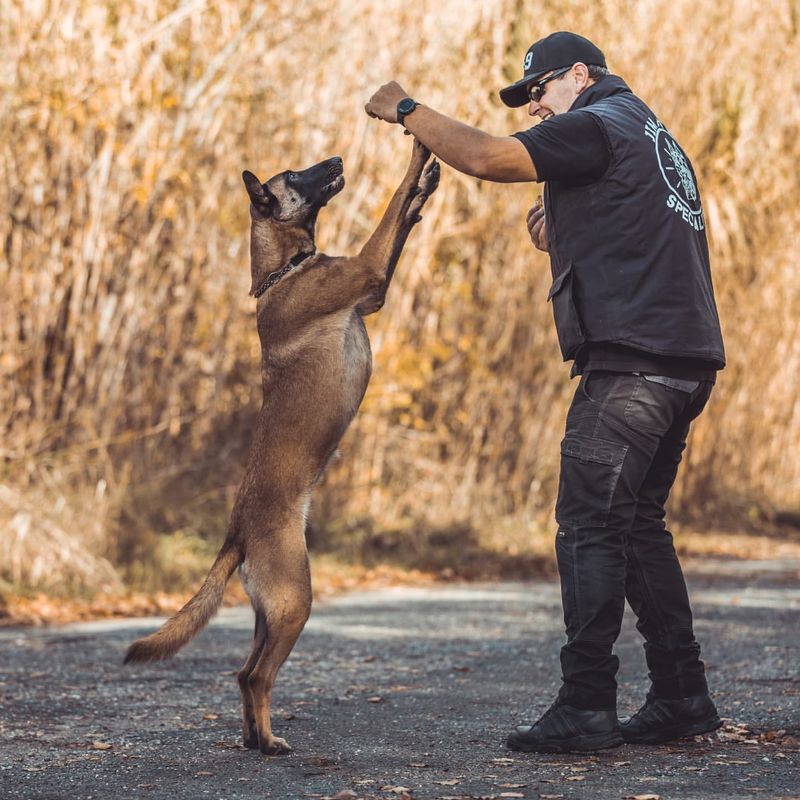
276, 747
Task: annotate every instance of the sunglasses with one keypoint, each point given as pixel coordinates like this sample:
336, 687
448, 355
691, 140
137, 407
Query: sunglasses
536, 90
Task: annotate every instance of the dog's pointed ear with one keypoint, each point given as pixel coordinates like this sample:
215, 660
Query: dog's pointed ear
259, 194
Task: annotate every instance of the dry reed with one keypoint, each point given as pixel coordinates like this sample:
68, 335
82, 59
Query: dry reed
128, 356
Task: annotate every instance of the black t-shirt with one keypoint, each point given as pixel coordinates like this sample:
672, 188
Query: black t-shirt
570, 148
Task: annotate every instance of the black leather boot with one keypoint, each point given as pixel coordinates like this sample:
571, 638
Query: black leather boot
660, 720
565, 729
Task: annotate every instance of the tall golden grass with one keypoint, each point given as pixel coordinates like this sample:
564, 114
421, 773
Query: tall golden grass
129, 361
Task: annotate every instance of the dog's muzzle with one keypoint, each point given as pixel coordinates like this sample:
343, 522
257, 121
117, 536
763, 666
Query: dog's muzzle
335, 177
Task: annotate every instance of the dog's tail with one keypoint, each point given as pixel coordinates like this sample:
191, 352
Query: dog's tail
194, 616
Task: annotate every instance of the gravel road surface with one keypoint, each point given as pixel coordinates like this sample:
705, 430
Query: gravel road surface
396, 694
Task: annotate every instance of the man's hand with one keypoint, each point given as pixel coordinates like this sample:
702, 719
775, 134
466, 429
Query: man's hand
383, 104
537, 228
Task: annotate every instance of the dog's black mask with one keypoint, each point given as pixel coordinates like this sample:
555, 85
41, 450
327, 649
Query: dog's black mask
319, 183
296, 197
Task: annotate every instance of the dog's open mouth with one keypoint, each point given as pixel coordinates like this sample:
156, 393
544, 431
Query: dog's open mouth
336, 185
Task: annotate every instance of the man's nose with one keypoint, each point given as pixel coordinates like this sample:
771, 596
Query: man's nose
533, 108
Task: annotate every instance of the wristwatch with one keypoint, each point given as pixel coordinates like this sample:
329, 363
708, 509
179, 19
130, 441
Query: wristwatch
404, 108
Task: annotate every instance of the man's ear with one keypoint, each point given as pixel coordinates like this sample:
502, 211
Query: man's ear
259, 195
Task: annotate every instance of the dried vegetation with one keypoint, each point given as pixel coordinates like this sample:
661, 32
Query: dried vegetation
128, 354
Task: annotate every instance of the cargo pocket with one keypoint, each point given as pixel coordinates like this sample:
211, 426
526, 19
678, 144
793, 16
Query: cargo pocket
565, 313
590, 470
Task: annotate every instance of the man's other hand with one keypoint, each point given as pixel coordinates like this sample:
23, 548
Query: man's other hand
537, 228
383, 104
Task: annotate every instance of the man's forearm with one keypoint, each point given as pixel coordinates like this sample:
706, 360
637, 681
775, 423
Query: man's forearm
459, 145
467, 149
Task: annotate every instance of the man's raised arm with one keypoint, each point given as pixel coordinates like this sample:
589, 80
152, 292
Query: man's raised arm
467, 149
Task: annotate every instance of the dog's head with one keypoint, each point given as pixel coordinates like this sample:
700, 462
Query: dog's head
284, 214
293, 197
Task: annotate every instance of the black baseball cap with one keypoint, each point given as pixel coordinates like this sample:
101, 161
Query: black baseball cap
561, 49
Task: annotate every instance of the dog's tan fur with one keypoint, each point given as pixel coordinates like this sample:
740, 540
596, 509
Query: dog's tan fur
316, 364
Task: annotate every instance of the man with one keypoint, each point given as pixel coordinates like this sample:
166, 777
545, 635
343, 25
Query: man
634, 310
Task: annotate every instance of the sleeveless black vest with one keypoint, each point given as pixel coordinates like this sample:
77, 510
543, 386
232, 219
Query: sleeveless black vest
628, 253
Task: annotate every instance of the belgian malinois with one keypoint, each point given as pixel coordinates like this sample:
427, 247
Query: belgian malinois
316, 364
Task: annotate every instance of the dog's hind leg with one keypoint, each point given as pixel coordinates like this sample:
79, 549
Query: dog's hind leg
283, 590
249, 730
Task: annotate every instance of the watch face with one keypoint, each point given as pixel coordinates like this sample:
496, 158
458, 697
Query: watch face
406, 106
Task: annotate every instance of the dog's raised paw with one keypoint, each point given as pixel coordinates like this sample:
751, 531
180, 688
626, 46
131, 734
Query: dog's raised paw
430, 178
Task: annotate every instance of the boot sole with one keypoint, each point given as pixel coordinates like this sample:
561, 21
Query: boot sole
675, 731
577, 744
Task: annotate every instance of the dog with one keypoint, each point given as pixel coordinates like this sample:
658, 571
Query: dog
316, 363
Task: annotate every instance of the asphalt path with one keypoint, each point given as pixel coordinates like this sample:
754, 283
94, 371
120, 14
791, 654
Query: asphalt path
396, 694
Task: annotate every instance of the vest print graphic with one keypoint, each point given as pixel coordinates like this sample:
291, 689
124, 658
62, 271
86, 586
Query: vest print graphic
682, 198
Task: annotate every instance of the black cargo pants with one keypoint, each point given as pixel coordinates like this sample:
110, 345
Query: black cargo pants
619, 458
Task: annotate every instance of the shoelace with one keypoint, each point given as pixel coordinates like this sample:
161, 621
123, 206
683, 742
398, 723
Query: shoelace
549, 711
647, 710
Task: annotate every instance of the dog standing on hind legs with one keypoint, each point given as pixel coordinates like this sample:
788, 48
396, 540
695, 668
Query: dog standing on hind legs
316, 364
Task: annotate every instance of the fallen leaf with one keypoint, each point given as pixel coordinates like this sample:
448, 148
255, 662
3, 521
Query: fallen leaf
450, 782
375, 699
396, 789
203, 774
576, 778
550, 796
511, 794
512, 785
503, 760
620, 763
642, 797
345, 794
101, 746
210, 716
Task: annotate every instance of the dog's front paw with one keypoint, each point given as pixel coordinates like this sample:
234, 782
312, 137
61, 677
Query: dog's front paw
430, 179
419, 155
426, 187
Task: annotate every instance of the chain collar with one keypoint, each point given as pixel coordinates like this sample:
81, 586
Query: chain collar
274, 277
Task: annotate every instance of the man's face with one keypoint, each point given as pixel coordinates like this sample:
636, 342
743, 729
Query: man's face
559, 95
